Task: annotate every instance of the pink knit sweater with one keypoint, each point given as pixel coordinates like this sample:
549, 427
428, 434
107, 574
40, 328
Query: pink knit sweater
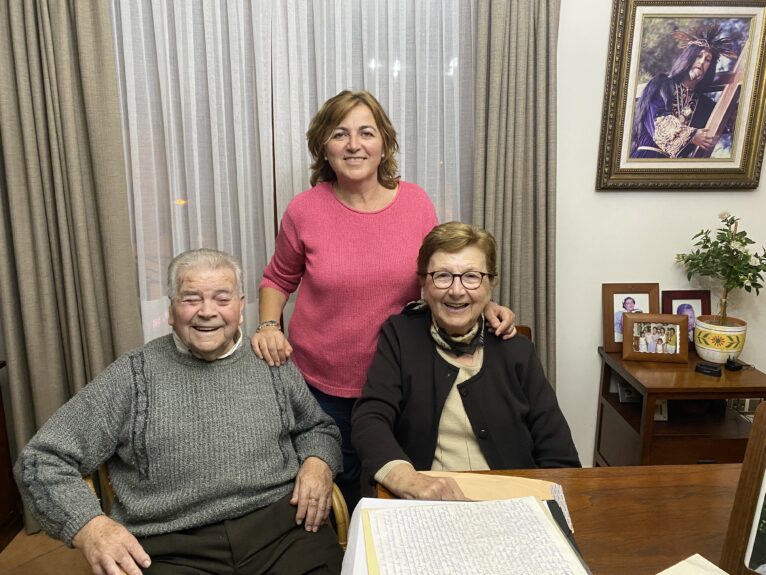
355, 269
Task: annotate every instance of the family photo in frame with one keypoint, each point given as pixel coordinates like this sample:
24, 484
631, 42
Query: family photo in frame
655, 337
684, 98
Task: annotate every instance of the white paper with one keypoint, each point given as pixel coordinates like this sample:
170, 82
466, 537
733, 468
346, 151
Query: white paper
486, 486
694, 565
355, 558
513, 536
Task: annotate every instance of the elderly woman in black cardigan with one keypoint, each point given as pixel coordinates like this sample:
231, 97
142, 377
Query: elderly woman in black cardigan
442, 394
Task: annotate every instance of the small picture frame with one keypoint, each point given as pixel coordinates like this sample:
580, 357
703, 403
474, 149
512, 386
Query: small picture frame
623, 299
655, 337
744, 549
689, 302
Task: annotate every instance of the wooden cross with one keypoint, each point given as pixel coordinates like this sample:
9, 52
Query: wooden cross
727, 103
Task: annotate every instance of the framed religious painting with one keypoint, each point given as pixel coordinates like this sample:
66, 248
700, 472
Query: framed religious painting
688, 302
621, 299
684, 95
744, 549
655, 337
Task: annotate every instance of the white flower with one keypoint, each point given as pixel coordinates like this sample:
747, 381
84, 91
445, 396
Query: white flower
724, 215
740, 247
754, 261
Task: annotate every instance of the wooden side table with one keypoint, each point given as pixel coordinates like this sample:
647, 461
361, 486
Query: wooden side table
10, 502
697, 430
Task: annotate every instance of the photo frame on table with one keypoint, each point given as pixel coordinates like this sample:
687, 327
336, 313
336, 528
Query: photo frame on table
655, 337
744, 549
668, 123
615, 303
689, 302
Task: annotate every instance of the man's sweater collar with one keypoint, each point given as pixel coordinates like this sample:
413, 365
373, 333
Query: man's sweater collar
181, 346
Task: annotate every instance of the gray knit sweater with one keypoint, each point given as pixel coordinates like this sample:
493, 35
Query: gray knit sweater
188, 442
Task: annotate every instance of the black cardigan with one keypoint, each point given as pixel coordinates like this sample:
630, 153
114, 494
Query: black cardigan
511, 406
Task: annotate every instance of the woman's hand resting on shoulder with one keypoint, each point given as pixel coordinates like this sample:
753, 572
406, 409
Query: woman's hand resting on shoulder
500, 319
271, 345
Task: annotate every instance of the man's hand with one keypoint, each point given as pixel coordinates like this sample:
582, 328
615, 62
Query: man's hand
312, 493
501, 320
703, 140
110, 548
407, 483
271, 345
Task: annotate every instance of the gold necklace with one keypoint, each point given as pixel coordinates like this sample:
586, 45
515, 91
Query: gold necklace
684, 103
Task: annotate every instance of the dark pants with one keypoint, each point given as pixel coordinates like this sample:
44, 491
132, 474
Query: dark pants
264, 541
339, 408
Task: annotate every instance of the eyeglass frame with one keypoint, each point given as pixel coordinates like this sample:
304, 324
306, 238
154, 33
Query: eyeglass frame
482, 274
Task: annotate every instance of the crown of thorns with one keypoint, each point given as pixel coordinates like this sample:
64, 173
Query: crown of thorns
707, 37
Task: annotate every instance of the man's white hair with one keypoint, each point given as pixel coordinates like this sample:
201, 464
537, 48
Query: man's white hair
202, 259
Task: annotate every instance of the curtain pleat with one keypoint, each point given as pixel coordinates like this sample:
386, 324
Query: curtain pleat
68, 297
515, 157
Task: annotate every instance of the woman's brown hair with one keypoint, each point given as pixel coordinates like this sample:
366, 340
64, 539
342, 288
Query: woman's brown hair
330, 116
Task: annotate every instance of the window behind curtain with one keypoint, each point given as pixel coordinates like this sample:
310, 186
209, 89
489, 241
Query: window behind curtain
216, 98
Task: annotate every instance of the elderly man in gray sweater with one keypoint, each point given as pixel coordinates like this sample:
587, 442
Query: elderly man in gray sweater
219, 463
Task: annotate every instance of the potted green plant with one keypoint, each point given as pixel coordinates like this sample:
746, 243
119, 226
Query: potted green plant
727, 258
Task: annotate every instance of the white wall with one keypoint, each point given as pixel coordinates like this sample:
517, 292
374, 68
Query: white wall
617, 237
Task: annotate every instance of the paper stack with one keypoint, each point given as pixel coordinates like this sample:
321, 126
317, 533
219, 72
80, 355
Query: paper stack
506, 528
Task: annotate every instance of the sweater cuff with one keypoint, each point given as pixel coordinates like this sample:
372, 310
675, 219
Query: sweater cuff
325, 449
381, 474
266, 282
75, 523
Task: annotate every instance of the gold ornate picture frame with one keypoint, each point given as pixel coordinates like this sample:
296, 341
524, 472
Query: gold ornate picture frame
670, 123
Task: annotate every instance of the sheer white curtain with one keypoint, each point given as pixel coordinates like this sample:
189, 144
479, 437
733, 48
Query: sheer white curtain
217, 96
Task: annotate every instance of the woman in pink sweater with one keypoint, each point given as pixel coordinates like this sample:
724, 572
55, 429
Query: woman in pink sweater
351, 244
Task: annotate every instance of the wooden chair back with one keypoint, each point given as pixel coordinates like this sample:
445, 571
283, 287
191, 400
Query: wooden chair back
525, 330
748, 514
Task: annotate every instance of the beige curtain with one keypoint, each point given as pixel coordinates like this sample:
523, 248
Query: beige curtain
515, 158
68, 294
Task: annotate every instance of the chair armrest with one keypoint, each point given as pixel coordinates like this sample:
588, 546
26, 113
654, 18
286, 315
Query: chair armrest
340, 515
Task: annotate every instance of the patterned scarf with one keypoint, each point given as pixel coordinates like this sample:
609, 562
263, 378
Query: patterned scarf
459, 345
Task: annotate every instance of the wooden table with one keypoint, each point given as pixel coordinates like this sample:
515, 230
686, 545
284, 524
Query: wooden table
642, 519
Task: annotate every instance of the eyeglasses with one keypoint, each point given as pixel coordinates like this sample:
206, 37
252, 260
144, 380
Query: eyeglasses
470, 280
